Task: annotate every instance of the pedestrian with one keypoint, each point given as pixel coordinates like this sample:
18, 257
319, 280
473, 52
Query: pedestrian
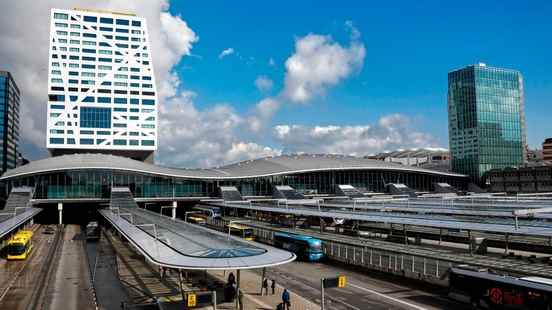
285, 299
231, 279
273, 286
265, 287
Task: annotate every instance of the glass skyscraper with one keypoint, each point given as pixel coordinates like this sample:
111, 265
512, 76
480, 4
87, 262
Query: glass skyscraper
9, 121
102, 96
486, 119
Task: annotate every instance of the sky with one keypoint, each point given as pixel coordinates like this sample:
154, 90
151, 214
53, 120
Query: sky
240, 80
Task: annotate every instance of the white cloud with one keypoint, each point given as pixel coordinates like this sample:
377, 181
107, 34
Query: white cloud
262, 114
226, 52
319, 63
263, 83
24, 33
211, 137
389, 133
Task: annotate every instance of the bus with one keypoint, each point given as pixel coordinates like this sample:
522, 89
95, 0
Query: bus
199, 220
242, 231
485, 289
20, 245
305, 247
92, 231
209, 211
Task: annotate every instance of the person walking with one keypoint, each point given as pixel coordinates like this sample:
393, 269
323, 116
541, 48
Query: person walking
285, 299
231, 279
265, 287
273, 286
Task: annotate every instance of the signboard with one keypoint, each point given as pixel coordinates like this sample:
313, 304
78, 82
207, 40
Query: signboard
192, 300
338, 282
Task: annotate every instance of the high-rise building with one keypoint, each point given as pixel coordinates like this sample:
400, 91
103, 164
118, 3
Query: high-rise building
486, 119
9, 121
102, 96
547, 149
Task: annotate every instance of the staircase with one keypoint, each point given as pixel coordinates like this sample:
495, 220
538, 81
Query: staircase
19, 197
121, 197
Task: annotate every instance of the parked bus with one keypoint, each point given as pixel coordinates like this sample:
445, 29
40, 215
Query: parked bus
92, 231
209, 211
199, 220
488, 290
242, 231
305, 247
20, 245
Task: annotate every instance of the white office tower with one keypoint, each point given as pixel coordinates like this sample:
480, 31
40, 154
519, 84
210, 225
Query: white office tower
101, 86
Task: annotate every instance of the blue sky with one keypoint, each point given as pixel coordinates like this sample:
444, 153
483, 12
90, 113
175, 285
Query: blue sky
410, 47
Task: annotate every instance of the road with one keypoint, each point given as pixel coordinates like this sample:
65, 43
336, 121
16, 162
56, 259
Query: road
71, 285
364, 290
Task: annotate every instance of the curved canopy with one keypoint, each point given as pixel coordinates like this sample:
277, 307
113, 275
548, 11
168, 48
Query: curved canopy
268, 166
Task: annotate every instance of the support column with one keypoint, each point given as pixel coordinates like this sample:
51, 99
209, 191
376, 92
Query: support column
174, 210
506, 237
238, 301
60, 210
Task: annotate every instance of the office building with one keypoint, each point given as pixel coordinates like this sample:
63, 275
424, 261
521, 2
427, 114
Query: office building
102, 96
547, 149
486, 120
9, 121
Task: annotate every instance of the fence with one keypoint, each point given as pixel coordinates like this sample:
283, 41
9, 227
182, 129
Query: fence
410, 266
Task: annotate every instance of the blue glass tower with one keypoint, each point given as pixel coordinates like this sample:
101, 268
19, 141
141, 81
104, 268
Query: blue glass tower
9, 121
486, 119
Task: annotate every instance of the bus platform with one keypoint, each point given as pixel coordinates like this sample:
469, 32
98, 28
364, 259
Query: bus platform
11, 221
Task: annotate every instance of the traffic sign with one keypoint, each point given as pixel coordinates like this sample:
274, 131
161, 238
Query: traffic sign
192, 300
338, 282
341, 281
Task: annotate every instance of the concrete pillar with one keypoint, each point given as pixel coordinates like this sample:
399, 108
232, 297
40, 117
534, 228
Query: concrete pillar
174, 210
60, 210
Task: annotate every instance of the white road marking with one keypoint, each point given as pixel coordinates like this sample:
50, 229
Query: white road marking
414, 306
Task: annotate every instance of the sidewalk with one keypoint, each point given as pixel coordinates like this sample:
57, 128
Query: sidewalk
250, 284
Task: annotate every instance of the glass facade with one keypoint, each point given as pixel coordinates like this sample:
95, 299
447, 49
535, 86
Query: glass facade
9, 121
98, 183
486, 119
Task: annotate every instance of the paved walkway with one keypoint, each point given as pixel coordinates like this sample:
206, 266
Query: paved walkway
250, 283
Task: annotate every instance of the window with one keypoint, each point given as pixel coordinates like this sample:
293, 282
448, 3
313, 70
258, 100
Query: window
120, 109
91, 117
88, 66
74, 57
104, 67
103, 133
56, 97
122, 22
107, 29
121, 84
75, 26
89, 43
121, 30
106, 20
121, 76
120, 100
73, 73
92, 19
119, 142
136, 23
88, 99
56, 140
88, 74
147, 86
121, 38
86, 141
74, 41
134, 101
61, 33
89, 35
88, 50
61, 25
61, 16
105, 52
55, 64
88, 58
104, 100
74, 49
105, 59
104, 44
136, 32
75, 34
147, 142
56, 72
146, 78
148, 101
56, 80
133, 142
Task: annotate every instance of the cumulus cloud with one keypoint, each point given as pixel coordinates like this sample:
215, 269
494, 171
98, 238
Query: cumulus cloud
389, 133
226, 52
263, 83
319, 63
24, 52
206, 138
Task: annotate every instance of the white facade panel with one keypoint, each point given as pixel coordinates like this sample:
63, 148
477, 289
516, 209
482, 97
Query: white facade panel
101, 86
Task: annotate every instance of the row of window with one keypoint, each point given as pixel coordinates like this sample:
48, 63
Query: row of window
91, 99
102, 20
105, 29
104, 67
86, 141
92, 35
120, 45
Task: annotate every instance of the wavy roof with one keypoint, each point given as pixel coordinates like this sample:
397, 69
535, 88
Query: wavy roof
285, 164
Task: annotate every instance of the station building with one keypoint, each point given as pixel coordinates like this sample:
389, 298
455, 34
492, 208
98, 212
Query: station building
91, 176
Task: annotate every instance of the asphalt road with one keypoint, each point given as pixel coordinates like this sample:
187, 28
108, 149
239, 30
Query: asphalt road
363, 290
